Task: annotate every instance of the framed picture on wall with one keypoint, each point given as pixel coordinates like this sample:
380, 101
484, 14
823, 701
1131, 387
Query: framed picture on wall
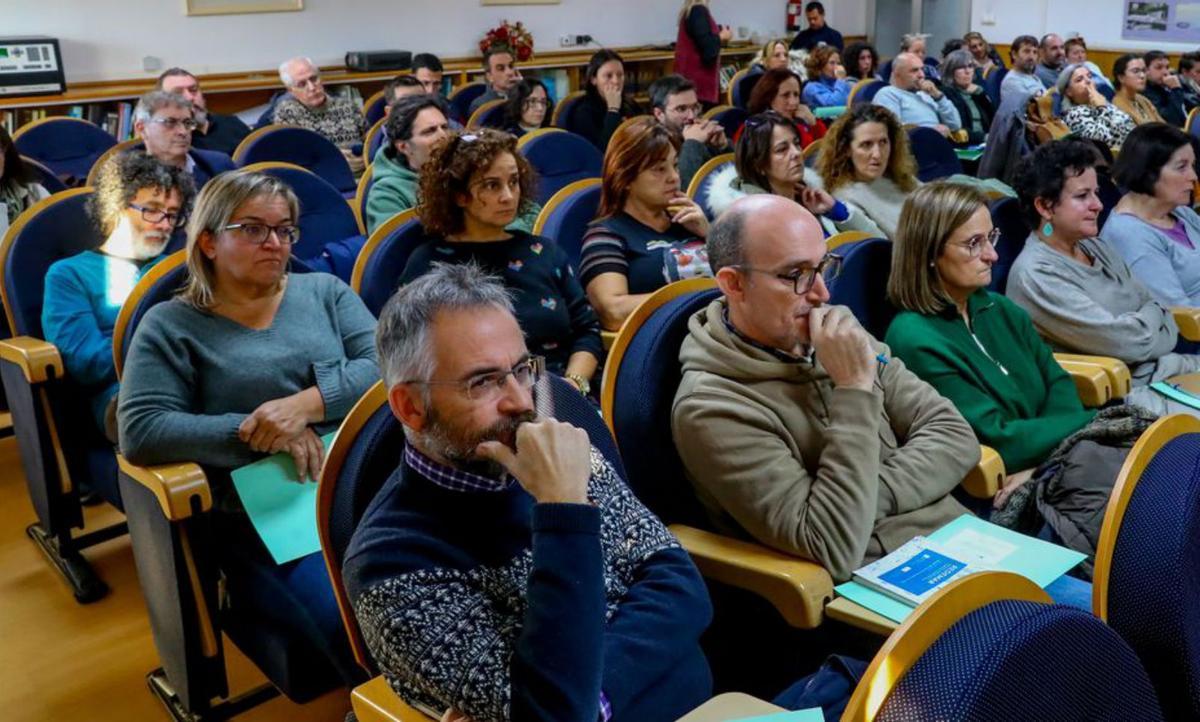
239, 7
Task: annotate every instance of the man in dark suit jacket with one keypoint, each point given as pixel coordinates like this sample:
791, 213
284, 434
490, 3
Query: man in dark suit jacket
214, 131
165, 123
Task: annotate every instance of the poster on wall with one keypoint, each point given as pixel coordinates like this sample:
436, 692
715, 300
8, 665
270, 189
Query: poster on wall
1173, 21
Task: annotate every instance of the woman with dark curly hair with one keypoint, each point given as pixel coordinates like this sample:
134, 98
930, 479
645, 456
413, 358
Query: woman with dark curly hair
861, 61
866, 162
528, 108
18, 187
605, 103
473, 186
827, 85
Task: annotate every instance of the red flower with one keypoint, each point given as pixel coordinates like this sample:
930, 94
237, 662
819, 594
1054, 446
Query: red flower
524, 53
501, 33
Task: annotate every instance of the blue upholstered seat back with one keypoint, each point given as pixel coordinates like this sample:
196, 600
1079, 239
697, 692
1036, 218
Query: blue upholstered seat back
325, 217
862, 284
645, 388
560, 159
706, 188
1155, 578
67, 147
460, 100
386, 264
1018, 660
492, 117
46, 177
742, 90
935, 155
569, 220
374, 112
1007, 216
991, 85
305, 148
731, 119
867, 93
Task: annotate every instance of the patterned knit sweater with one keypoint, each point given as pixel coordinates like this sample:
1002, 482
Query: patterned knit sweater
338, 119
507, 609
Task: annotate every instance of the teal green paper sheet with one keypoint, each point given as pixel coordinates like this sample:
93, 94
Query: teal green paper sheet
800, 715
830, 111
283, 511
1037, 560
1175, 393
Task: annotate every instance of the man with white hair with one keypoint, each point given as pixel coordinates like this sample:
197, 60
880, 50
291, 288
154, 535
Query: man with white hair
309, 106
165, 123
914, 100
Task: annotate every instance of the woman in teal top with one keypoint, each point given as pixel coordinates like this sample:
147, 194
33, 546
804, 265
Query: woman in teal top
975, 347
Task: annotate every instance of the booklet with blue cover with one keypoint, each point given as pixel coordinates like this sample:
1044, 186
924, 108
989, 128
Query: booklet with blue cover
982, 545
916, 570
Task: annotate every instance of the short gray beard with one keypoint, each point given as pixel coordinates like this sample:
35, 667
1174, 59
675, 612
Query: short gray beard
458, 450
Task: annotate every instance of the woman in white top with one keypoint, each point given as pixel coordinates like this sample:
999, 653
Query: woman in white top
18, 188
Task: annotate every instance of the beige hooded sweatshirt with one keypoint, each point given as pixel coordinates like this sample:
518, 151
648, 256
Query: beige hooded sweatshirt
837, 475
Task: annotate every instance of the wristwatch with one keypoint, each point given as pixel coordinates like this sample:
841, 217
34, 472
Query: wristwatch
584, 386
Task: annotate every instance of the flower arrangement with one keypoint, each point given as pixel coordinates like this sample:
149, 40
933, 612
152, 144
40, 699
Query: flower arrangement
514, 36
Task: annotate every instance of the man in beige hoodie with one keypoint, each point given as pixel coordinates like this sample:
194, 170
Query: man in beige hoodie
795, 426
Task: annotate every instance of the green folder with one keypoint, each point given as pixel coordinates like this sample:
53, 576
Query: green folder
1175, 393
1038, 560
831, 111
800, 715
282, 509
971, 152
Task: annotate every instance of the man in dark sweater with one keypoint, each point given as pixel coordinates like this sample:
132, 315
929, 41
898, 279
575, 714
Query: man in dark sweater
817, 32
221, 133
1164, 89
505, 571
676, 106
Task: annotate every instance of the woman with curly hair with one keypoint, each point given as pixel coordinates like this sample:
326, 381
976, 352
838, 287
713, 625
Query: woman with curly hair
827, 86
866, 162
473, 186
861, 61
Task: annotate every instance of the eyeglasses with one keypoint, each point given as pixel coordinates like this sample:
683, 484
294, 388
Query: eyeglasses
974, 244
802, 279
489, 386
173, 123
151, 215
681, 109
257, 233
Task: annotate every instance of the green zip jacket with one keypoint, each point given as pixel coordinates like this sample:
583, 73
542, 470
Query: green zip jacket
1003, 378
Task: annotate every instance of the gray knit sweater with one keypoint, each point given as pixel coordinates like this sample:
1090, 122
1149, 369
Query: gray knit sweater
191, 376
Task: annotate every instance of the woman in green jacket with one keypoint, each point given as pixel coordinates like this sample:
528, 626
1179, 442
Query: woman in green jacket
977, 348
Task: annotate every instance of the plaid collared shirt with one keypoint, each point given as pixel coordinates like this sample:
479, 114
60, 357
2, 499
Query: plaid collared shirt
450, 478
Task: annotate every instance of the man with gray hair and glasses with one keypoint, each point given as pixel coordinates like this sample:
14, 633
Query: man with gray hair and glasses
165, 123
795, 426
505, 571
309, 106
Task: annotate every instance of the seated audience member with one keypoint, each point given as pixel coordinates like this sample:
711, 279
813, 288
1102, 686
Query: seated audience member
914, 100
774, 56
499, 73
1021, 80
648, 233
250, 360
528, 108
817, 33
427, 69
676, 106
1086, 112
1080, 293
861, 61
789, 428
985, 56
309, 106
605, 104
1051, 59
474, 186
1153, 227
1165, 91
826, 86
415, 125
1076, 48
915, 43
164, 121
974, 107
951, 45
698, 42
866, 162
779, 90
1129, 77
975, 347
769, 159
505, 570
137, 204
1189, 72
214, 131
401, 87
19, 188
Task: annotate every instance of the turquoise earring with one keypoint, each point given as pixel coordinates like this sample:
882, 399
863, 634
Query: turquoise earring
1047, 229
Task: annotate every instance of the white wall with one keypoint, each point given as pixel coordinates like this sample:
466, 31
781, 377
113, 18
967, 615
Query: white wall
1098, 21
107, 39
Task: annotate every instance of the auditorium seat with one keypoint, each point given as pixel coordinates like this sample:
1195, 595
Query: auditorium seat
729, 117
566, 216
560, 158
67, 146
382, 259
375, 107
361, 193
488, 115
935, 154
46, 177
701, 184
741, 85
864, 91
461, 98
94, 172
562, 111
373, 141
300, 146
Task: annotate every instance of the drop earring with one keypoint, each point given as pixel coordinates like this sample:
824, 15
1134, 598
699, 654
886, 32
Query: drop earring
1047, 229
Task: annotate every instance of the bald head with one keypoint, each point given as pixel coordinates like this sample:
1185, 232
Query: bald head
760, 221
908, 70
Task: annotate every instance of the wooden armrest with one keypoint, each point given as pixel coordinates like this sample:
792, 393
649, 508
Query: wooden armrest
38, 359
175, 486
798, 588
374, 701
985, 479
858, 616
1091, 383
1188, 321
1118, 373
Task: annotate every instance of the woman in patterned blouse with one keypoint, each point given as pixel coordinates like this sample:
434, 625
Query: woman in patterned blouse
1086, 112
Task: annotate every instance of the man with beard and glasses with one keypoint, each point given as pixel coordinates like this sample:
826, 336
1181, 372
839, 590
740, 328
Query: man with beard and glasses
137, 205
505, 571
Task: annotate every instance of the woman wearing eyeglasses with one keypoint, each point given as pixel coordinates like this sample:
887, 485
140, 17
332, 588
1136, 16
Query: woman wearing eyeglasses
474, 185
250, 360
528, 108
969, 99
137, 204
976, 347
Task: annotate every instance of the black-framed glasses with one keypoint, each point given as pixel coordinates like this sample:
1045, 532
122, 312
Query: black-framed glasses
153, 215
257, 233
974, 244
173, 123
802, 279
489, 386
